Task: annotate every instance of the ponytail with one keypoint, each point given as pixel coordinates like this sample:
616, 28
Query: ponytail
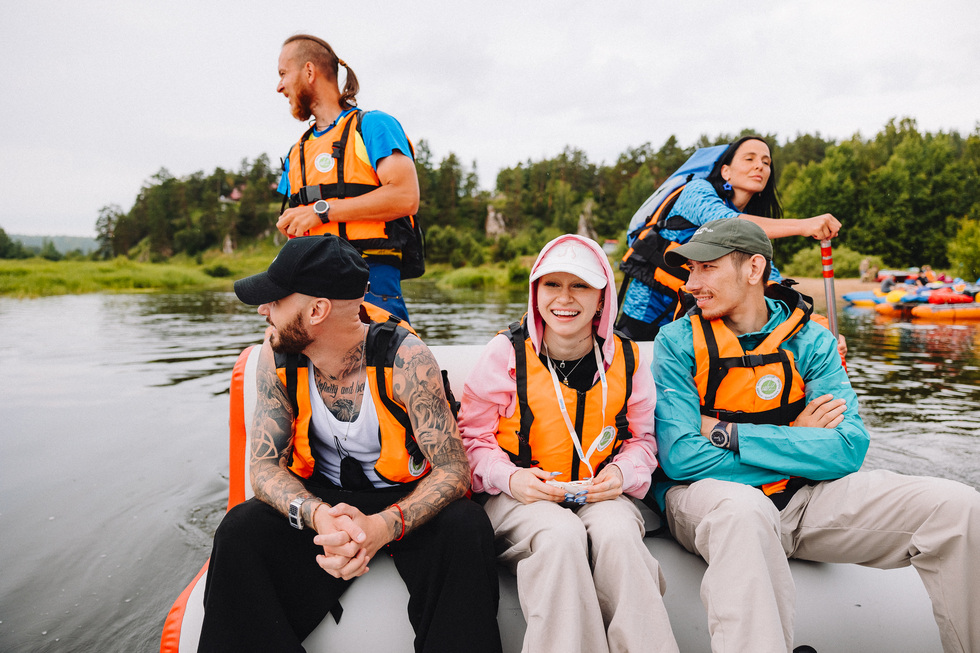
351, 87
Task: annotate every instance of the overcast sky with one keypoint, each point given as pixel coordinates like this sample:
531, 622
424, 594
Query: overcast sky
98, 96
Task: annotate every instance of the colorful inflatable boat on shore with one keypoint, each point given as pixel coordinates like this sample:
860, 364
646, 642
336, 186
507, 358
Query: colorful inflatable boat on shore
948, 302
839, 607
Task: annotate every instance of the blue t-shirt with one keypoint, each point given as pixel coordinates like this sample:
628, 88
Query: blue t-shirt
383, 136
699, 204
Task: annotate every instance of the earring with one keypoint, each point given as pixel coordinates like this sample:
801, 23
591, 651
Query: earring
727, 186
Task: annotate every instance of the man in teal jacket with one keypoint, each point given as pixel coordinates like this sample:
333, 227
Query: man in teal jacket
758, 426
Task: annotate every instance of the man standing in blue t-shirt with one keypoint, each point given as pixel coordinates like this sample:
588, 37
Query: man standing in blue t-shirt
352, 173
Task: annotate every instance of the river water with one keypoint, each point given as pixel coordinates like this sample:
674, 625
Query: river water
113, 440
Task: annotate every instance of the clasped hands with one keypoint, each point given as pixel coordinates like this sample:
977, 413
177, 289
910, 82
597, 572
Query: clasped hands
349, 538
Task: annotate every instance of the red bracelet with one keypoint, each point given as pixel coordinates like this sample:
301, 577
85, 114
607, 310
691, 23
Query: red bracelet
402, 515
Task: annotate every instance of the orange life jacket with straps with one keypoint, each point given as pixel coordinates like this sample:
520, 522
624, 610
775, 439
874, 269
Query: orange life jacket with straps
336, 165
401, 460
760, 386
536, 434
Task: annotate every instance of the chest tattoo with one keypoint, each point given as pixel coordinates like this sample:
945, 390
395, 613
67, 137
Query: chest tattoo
342, 398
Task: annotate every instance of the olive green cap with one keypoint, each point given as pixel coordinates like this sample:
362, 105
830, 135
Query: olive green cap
720, 237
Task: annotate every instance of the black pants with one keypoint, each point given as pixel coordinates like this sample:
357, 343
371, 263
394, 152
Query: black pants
265, 591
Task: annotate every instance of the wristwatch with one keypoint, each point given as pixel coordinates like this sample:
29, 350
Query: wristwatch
322, 210
725, 435
295, 512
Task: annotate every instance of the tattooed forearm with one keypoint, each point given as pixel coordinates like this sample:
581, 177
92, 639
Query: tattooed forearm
271, 440
417, 383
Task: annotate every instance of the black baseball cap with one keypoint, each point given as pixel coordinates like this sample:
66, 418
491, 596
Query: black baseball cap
720, 237
320, 266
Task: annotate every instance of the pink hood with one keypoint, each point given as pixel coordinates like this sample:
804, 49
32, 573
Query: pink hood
603, 325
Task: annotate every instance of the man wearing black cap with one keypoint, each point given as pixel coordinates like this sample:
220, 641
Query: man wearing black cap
354, 449
757, 422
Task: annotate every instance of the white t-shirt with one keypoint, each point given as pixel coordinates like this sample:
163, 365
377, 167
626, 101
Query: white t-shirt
360, 439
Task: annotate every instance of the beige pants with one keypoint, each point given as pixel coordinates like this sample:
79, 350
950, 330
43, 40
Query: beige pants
879, 519
586, 580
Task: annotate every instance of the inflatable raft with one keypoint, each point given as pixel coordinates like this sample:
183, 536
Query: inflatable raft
839, 607
947, 312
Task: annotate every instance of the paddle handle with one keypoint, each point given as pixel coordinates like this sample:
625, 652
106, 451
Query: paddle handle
827, 256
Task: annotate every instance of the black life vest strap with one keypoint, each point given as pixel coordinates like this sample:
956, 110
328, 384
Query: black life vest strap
383, 355
517, 332
302, 152
780, 416
291, 368
310, 194
752, 360
622, 422
715, 372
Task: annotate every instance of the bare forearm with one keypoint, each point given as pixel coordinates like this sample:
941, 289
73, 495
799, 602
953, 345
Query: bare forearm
776, 228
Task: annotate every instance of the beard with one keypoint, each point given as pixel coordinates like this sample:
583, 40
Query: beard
303, 108
292, 338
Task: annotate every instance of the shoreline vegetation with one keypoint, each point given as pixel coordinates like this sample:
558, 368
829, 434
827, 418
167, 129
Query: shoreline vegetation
214, 271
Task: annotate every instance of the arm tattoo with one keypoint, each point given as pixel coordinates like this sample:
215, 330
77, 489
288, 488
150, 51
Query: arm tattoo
417, 383
272, 439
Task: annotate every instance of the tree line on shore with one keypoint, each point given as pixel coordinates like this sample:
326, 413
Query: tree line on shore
908, 197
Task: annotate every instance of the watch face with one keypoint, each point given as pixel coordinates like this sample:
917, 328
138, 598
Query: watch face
718, 437
320, 206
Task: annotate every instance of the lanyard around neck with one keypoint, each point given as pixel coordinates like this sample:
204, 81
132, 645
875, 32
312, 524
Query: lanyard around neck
564, 409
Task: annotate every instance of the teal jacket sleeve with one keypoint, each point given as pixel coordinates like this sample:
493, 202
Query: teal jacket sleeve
766, 453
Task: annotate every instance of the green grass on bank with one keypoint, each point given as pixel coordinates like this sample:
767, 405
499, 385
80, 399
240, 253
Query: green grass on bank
214, 270
38, 277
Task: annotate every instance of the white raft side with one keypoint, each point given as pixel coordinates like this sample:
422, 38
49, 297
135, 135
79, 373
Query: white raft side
839, 607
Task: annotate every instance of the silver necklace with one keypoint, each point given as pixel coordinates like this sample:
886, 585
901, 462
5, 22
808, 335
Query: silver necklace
560, 366
357, 377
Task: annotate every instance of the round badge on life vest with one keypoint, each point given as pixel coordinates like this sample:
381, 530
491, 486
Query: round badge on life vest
768, 387
323, 163
416, 469
607, 436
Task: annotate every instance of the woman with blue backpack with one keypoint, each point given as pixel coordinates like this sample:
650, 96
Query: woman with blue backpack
740, 183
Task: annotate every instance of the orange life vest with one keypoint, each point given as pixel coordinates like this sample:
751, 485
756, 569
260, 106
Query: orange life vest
536, 434
336, 165
761, 386
401, 460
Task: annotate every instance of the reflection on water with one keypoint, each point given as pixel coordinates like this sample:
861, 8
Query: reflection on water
113, 422
919, 387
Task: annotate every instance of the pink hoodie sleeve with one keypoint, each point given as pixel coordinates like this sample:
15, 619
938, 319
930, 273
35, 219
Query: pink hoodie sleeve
490, 392
637, 458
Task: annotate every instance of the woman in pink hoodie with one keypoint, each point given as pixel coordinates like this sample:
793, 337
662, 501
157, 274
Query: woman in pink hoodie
557, 421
